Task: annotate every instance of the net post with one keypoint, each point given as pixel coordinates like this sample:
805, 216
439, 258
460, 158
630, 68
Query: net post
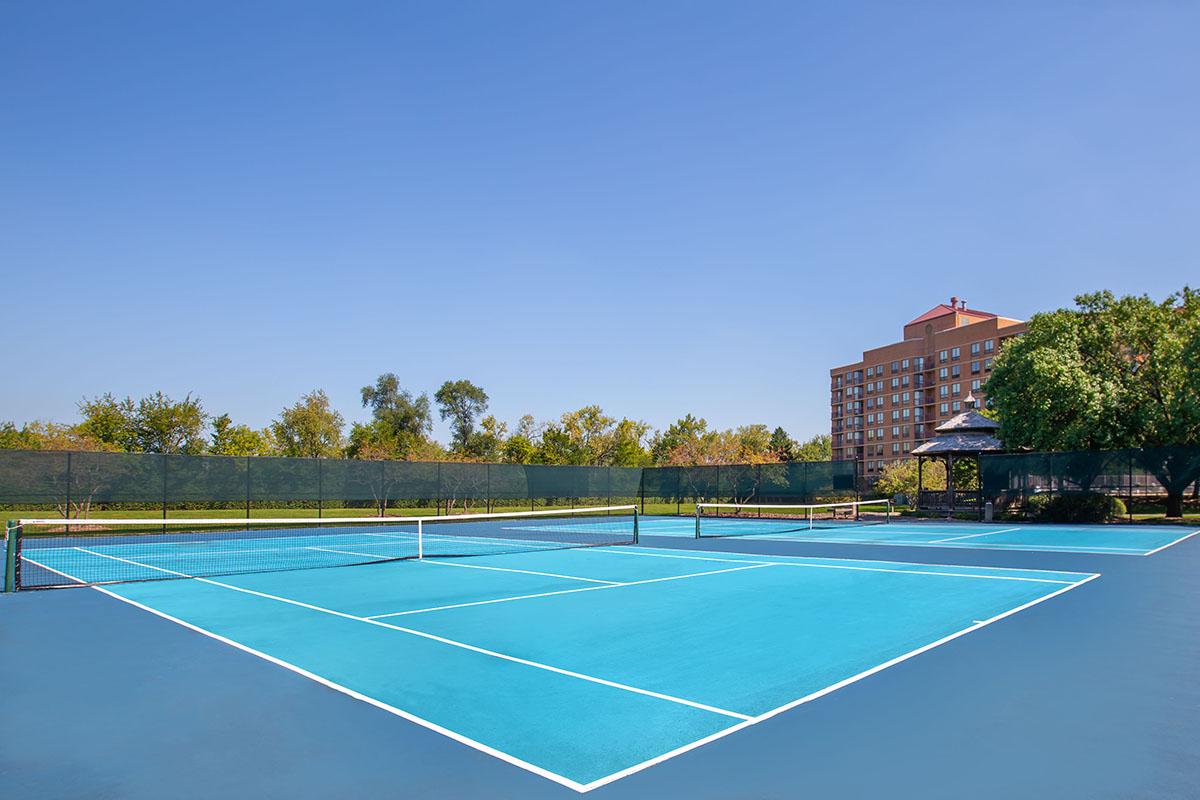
420, 541
635, 525
10, 555
697, 520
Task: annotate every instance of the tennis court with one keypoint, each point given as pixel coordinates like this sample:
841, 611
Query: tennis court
580, 664
1112, 539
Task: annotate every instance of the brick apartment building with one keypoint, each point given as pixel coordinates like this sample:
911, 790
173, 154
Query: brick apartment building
889, 402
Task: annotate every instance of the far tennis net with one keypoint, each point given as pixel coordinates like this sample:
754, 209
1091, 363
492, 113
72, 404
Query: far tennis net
764, 519
74, 552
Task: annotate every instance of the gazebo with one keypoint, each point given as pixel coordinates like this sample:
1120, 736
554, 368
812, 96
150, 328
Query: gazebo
965, 435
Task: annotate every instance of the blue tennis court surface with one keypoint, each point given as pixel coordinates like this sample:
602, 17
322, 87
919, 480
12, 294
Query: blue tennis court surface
1115, 539
587, 665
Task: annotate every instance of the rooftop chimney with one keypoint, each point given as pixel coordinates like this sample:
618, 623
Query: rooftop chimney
954, 302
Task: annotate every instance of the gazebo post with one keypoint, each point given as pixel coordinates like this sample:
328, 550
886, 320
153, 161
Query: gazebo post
920, 480
950, 482
979, 488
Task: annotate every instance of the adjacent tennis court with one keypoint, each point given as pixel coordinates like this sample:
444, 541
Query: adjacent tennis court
580, 664
874, 523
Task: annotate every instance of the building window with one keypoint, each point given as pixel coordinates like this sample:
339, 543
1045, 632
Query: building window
989, 346
906, 413
955, 371
943, 373
895, 431
987, 364
944, 390
942, 356
904, 380
895, 383
975, 385
920, 362
974, 367
895, 448
956, 388
870, 372
954, 353
895, 366
974, 348
957, 406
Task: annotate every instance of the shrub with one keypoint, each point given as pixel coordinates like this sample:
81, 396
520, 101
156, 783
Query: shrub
1076, 508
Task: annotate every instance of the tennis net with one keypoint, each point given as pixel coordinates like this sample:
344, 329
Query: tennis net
762, 519
74, 552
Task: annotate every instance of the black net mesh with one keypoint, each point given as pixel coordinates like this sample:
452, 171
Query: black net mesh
1153, 481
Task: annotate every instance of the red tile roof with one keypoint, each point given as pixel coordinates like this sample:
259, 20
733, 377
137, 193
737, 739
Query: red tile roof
942, 309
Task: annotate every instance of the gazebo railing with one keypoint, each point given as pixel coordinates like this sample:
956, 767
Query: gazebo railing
939, 499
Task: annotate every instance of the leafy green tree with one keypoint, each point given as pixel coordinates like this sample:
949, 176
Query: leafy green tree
400, 426
238, 440
783, 445
681, 440
590, 437
461, 401
163, 425
487, 444
48, 436
110, 421
818, 448
1110, 373
309, 429
521, 447
900, 477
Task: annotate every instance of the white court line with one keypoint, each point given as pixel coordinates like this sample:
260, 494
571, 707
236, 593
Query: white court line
568, 591
465, 566
1171, 544
868, 569
827, 690
1031, 548
444, 640
546, 773
973, 535
441, 563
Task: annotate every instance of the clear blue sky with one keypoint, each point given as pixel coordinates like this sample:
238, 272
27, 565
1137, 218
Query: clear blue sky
662, 207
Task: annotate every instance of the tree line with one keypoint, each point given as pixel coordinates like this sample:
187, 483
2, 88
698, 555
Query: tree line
401, 427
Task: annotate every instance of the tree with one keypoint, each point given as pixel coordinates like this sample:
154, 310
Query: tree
818, 448
1110, 373
309, 429
522, 445
783, 445
461, 401
163, 425
592, 438
900, 477
401, 422
238, 440
487, 444
48, 436
110, 421
682, 437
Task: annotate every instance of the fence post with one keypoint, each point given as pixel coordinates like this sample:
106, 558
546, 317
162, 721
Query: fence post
247, 492
67, 507
164, 492
320, 488
1129, 508
11, 562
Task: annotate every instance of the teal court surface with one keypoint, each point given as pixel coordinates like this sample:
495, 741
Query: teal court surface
1113, 539
587, 665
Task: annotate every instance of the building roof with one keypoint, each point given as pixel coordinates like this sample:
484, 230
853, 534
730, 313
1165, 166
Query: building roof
969, 421
959, 443
941, 310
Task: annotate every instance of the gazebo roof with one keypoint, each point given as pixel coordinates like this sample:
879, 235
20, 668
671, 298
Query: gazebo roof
967, 442
969, 421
